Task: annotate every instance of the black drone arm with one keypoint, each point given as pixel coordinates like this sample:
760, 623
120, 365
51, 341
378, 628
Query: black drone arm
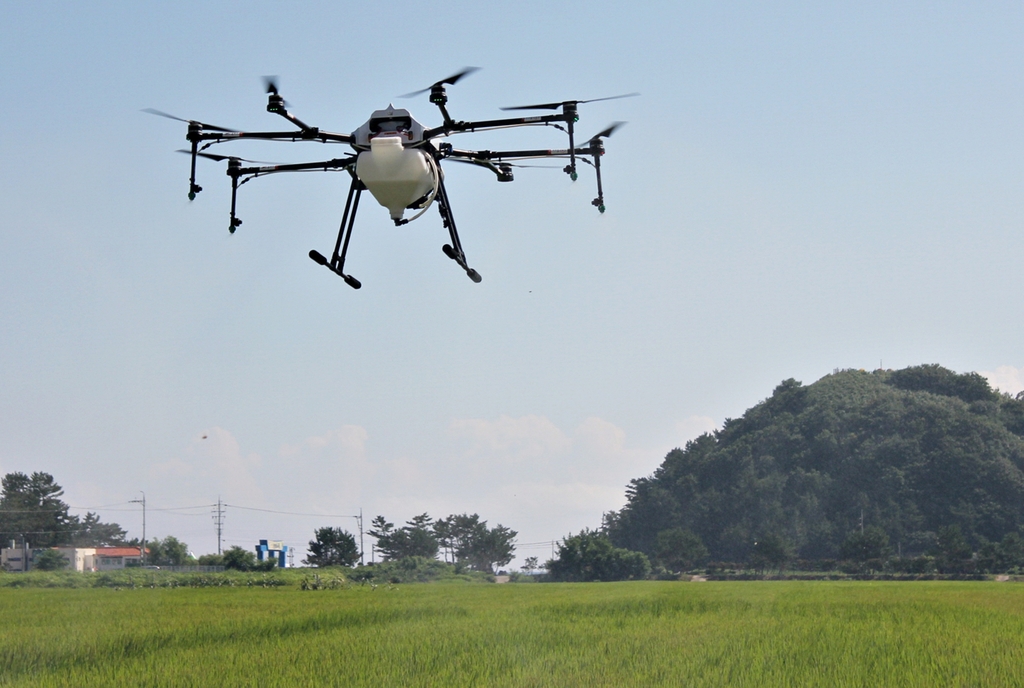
200, 140
311, 134
524, 154
451, 127
240, 175
496, 161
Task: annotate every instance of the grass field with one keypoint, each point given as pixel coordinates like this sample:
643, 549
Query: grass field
609, 634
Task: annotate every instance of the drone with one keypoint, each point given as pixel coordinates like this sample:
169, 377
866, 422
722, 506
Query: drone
398, 160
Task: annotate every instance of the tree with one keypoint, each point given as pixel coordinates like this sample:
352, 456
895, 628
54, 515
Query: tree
679, 549
495, 549
50, 560
1011, 552
31, 509
418, 539
953, 548
471, 543
530, 564
415, 539
771, 551
872, 543
91, 532
169, 552
591, 556
382, 531
239, 559
332, 547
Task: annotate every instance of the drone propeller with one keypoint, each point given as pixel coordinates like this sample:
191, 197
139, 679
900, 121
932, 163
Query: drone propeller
202, 125
606, 132
270, 83
218, 158
449, 80
555, 106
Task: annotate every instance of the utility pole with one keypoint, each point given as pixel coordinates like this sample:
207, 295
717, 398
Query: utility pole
218, 520
142, 550
360, 519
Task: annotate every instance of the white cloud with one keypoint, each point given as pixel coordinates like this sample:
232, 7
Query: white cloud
532, 475
693, 427
526, 473
1006, 378
214, 462
325, 472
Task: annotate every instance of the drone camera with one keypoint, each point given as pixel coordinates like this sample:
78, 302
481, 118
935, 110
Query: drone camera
387, 125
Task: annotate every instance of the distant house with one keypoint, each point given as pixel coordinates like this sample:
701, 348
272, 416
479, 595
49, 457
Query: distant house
15, 558
110, 558
18, 559
81, 559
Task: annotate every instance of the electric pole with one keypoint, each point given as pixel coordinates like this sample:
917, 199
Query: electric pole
142, 550
360, 519
218, 520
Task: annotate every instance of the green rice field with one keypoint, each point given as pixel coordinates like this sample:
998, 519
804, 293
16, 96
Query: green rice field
772, 633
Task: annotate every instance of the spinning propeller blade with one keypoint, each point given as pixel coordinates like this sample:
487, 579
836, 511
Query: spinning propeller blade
270, 83
204, 125
607, 132
555, 106
449, 80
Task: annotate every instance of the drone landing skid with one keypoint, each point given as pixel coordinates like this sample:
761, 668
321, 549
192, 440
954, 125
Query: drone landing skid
453, 250
337, 262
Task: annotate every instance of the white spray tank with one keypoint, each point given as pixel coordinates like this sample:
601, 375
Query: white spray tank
395, 175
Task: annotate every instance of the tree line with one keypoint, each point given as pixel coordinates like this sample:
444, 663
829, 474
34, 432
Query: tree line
31, 511
462, 540
914, 470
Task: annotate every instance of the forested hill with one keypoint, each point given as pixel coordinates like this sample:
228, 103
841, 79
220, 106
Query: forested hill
910, 451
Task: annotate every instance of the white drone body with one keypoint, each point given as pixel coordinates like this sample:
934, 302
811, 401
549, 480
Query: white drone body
398, 175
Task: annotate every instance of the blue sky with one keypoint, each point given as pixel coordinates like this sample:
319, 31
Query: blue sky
801, 187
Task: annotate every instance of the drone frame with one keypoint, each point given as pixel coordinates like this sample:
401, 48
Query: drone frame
202, 136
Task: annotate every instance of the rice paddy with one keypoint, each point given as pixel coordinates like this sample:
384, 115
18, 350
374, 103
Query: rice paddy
778, 633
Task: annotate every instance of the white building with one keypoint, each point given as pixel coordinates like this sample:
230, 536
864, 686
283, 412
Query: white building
19, 559
81, 559
110, 558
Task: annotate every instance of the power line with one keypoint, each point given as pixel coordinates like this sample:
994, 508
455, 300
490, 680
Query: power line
290, 513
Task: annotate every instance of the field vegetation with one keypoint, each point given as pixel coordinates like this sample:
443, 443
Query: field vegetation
591, 634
